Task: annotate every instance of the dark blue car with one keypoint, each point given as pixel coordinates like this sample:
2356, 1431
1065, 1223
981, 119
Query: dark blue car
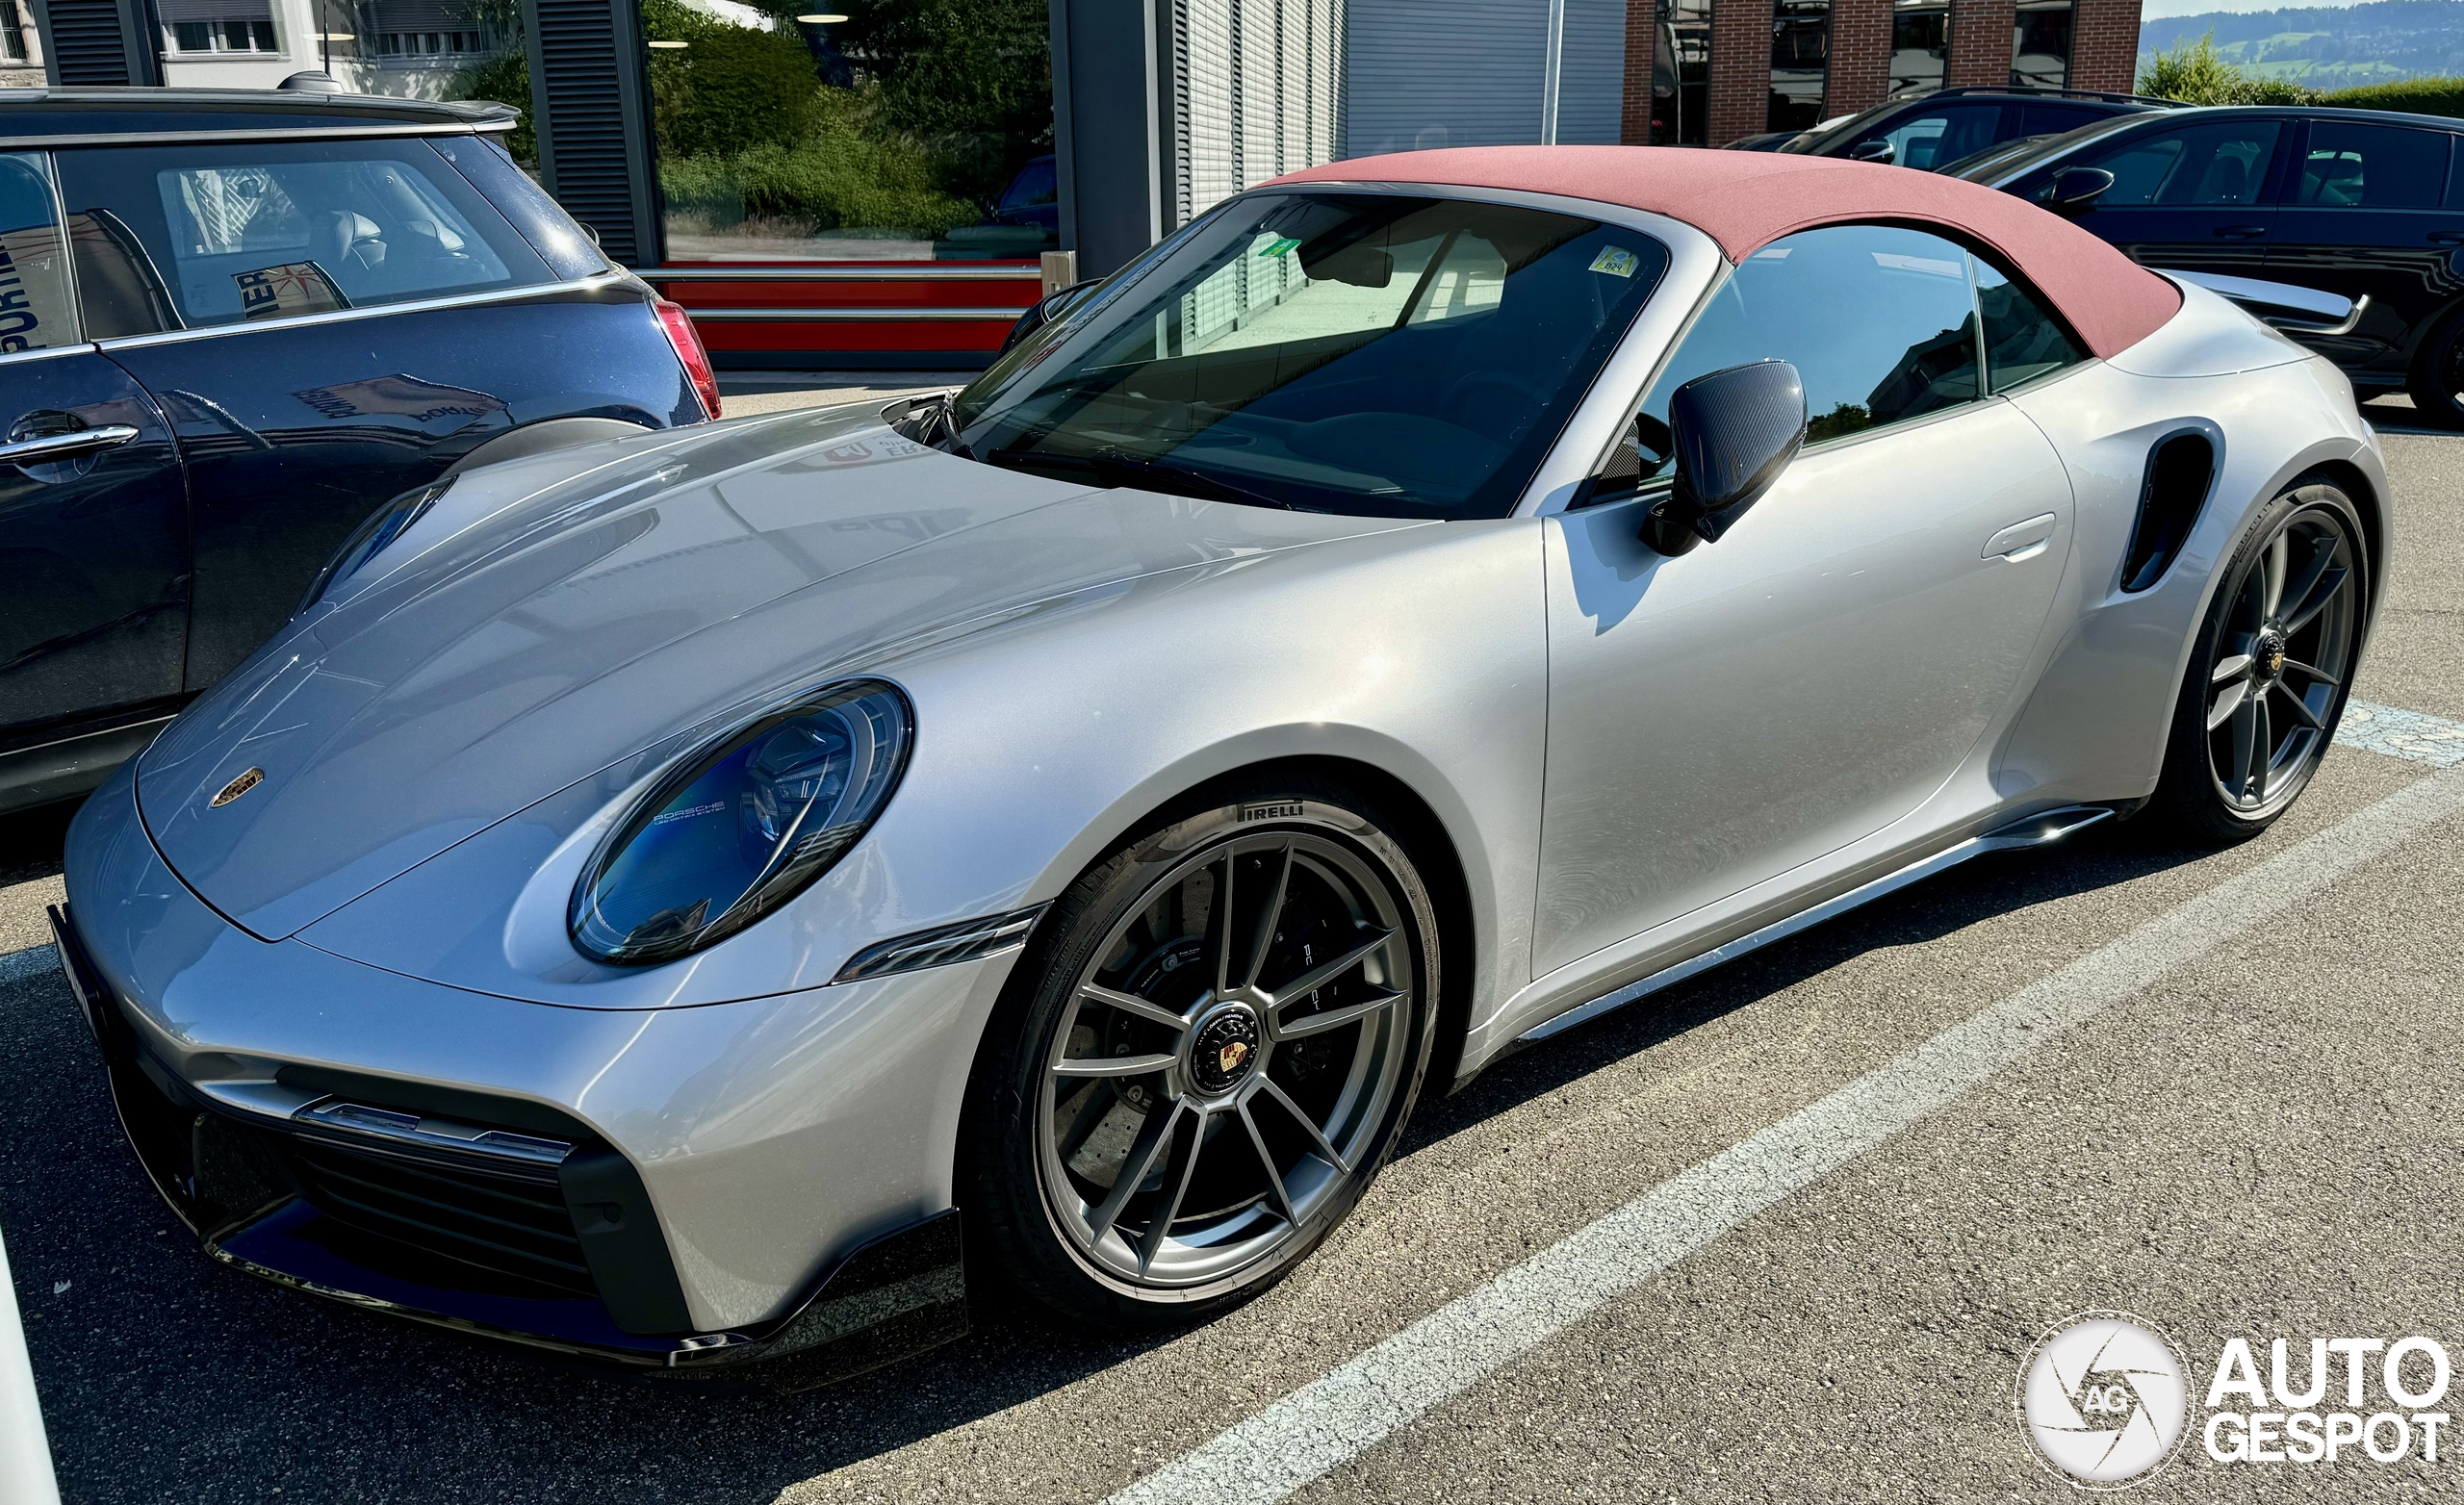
232, 325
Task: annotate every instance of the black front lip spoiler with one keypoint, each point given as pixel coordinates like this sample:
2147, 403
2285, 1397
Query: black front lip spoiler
897, 1295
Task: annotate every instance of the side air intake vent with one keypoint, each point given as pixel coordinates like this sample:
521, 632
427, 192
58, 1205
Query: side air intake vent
2179, 471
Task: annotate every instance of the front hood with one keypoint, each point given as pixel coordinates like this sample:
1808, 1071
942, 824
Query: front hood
553, 616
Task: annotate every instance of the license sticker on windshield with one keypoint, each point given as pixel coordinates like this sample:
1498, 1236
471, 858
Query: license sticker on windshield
1280, 245
1616, 261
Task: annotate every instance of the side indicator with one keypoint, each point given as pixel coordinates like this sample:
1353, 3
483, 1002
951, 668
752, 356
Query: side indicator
238, 786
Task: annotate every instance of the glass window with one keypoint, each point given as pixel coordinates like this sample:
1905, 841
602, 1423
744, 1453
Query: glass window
1920, 44
1681, 75
1800, 62
919, 131
34, 295
2040, 44
223, 234
2222, 163
1880, 321
2022, 341
2372, 166
1939, 137
1359, 353
209, 26
2043, 120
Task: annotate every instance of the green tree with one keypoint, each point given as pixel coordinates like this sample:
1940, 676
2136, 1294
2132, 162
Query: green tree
970, 79
2192, 73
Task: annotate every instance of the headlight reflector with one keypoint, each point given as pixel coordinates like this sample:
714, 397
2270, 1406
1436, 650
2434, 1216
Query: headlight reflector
743, 826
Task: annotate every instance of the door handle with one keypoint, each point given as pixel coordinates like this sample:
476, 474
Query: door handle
2240, 231
63, 447
2020, 540
2447, 236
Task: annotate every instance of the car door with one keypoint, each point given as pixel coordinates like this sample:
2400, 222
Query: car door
328, 323
2362, 218
93, 525
1721, 717
2198, 195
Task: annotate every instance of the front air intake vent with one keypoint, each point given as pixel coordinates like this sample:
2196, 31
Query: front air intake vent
501, 1228
2180, 470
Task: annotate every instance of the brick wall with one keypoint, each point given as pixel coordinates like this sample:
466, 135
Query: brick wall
1740, 69
1634, 116
1980, 43
1861, 56
2104, 45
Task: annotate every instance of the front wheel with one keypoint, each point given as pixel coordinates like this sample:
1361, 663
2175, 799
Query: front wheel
2270, 671
1207, 1053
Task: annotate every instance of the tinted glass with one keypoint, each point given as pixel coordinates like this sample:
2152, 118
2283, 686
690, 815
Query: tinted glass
247, 232
1879, 322
1391, 356
2372, 166
1939, 137
2022, 342
2216, 165
34, 295
2053, 119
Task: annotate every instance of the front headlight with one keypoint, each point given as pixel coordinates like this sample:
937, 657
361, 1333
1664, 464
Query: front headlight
740, 828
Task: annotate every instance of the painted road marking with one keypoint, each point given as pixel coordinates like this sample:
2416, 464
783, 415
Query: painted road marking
1352, 1407
2383, 728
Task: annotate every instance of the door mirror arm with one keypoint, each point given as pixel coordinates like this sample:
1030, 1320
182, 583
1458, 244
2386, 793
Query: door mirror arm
1734, 432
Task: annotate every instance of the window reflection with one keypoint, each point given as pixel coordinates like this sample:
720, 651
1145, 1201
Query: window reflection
1920, 44
1681, 75
1800, 62
2040, 44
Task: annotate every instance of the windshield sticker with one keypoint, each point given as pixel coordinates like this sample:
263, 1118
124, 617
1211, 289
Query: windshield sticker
293, 288
1280, 245
1616, 261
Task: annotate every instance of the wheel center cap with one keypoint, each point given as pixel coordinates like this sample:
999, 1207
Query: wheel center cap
1223, 1050
2268, 653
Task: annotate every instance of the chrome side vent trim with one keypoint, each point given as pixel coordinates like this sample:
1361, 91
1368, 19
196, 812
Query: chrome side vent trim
965, 941
434, 1134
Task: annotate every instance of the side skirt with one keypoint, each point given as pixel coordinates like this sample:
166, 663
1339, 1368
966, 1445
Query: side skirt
2036, 831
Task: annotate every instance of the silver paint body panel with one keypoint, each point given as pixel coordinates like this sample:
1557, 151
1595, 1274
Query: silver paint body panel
1632, 760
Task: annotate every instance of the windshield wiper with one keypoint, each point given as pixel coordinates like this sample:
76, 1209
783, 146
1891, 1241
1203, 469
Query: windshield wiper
1151, 475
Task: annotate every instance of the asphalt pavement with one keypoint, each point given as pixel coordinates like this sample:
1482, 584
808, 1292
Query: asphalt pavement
1789, 1231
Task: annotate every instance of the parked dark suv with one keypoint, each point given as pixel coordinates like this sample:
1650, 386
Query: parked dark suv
1933, 130
2362, 204
232, 325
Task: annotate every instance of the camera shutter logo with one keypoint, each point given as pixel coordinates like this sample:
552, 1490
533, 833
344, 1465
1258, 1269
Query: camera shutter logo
2104, 1400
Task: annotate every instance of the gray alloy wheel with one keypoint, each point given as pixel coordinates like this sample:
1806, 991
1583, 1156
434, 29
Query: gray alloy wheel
1229, 1024
2269, 683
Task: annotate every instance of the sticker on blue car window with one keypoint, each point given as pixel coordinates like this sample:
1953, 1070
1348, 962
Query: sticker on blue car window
1616, 261
293, 288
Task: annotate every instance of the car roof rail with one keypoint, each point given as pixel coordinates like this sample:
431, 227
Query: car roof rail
2043, 90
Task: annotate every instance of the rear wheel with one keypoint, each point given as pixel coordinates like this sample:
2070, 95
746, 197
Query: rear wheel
1208, 1051
2269, 675
2437, 381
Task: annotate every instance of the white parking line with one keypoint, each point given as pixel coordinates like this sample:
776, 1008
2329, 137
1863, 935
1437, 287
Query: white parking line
1335, 1418
2410, 734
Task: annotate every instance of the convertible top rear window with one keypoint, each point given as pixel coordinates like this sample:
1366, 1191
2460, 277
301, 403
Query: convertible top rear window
1341, 352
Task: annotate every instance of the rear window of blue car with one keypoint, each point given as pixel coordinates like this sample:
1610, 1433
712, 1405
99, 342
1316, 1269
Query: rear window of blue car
196, 236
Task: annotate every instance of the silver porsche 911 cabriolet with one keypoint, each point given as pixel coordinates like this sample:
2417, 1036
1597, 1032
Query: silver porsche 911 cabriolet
712, 896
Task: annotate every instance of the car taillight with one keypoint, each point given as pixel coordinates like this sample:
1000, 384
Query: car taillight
681, 334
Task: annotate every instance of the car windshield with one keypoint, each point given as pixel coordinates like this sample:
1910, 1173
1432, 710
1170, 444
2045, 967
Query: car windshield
1369, 353
2004, 163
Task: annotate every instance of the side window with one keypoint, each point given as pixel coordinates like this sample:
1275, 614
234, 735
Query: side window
2022, 341
34, 295
2054, 119
2372, 166
171, 237
1883, 323
2202, 165
1939, 137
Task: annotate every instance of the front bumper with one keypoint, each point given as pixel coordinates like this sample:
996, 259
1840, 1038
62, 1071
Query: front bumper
533, 1173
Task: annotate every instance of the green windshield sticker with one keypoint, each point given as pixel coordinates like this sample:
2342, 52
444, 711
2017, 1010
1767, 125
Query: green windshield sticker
1616, 261
1280, 245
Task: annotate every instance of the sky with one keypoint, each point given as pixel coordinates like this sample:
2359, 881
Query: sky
2165, 10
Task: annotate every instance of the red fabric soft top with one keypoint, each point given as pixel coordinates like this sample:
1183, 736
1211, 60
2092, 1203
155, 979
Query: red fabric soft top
1746, 201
